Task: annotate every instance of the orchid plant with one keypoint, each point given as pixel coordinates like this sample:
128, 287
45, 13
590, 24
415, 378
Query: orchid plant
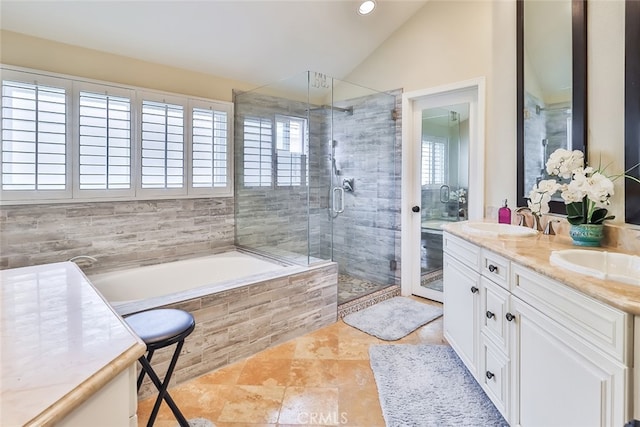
586, 195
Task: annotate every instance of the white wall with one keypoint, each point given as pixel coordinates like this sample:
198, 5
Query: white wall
451, 41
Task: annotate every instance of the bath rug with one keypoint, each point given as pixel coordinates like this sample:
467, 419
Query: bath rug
428, 385
394, 318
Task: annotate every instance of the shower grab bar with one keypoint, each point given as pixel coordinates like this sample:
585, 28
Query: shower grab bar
444, 193
341, 191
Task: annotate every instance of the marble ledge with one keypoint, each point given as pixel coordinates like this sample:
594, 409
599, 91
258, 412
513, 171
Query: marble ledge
534, 252
62, 342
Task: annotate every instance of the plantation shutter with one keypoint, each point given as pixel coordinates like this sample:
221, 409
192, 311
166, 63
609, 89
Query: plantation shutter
104, 141
257, 152
162, 145
209, 148
34, 137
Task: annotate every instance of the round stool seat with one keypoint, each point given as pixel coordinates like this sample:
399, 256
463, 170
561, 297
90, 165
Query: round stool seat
161, 327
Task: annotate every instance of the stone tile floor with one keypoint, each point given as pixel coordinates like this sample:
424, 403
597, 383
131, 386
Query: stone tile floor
322, 378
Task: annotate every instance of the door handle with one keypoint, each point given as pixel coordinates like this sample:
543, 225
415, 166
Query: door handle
415, 209
338, 190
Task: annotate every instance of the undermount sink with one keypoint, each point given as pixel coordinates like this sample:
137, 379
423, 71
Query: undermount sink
499, 230
601, 264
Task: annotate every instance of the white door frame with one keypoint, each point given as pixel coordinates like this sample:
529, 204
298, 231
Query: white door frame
410, 222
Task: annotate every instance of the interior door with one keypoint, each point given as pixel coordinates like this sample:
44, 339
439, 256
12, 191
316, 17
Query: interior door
441, 136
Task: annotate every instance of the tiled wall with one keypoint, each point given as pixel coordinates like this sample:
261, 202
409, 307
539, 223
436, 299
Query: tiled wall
550, 123
234, 324
116, 233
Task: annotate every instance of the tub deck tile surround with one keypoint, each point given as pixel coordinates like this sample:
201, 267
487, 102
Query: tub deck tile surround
237, 323
61, 343
117, 233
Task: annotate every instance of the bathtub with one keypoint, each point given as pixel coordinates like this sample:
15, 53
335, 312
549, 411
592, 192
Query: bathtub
242, 303
141, 288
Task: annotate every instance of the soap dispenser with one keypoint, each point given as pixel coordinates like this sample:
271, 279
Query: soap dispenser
504, 214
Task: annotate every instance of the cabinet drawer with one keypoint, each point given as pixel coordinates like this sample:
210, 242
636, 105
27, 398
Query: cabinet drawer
494, 375
493, 312
495, 267
463, 251
599, 324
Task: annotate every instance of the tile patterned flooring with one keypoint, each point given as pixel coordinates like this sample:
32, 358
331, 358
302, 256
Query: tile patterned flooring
322, 378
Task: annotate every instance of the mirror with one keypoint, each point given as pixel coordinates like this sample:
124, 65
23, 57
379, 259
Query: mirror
551, 87
632, 111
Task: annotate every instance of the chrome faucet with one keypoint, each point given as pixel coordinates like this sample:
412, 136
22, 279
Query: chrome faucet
82, 258
522, 221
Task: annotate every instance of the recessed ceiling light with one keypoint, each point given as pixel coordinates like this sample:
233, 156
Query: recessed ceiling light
366, 7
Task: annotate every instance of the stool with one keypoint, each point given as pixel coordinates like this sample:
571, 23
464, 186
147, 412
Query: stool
160, 328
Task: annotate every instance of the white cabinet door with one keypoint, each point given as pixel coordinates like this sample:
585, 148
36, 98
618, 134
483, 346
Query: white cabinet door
461, 311
559, 379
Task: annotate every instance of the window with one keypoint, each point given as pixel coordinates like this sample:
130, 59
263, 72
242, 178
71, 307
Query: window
104, 141
291, 139
210, 134
67, 139
34, 137
258, 146
433, 160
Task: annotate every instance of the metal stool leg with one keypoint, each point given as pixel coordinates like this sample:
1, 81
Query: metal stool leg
142, 371
162, 388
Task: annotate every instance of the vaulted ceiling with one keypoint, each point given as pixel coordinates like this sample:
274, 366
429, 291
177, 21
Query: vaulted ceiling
253, 41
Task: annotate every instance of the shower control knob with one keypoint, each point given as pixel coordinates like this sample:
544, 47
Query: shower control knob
416, 208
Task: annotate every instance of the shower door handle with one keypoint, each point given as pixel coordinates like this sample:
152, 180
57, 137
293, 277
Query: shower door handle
338, 190
444, 194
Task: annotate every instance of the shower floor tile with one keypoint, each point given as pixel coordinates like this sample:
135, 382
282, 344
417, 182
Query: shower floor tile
350, 288
324, 372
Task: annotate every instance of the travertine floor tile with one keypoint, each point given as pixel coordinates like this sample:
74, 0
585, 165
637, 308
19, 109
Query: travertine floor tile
310, 405
322, 378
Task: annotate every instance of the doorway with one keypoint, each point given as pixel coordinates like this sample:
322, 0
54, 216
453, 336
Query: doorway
443, 176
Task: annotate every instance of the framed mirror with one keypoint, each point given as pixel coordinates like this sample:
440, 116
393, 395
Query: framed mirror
632, 111
551, 87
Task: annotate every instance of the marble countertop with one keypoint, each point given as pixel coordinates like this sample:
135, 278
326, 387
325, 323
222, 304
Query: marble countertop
533, 252
61, 343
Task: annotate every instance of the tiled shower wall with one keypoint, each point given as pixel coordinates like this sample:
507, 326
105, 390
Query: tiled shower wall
367, 235
123, 233
549, 123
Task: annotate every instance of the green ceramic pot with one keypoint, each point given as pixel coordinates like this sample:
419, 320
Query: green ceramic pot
586, 234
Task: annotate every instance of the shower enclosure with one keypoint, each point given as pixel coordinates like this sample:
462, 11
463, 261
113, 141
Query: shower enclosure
316, 178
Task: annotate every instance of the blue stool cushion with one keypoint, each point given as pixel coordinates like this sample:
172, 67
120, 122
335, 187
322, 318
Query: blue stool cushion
160, 325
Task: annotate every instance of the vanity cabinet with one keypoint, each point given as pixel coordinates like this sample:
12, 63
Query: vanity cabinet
546, 354
462, 300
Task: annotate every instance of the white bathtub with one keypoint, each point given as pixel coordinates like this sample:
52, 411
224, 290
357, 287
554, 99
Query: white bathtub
186, 278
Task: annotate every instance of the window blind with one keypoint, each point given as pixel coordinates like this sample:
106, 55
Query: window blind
33, 137
105, 141
209, 148
433, 161
162, 145
257, 152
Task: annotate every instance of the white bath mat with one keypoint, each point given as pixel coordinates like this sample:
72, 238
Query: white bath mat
394, 318
428, 386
